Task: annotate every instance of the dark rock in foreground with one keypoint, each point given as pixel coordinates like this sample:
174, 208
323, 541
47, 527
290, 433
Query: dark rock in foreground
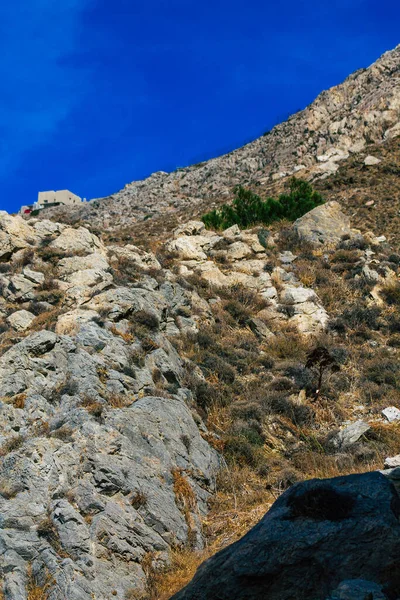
321, 539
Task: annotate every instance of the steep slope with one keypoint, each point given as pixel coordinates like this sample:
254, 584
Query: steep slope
156, 399
364, 109
125, 377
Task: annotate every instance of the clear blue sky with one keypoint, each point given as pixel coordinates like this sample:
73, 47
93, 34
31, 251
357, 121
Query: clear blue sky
97, 93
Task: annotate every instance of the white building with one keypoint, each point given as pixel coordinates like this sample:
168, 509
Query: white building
51, 198
59, 197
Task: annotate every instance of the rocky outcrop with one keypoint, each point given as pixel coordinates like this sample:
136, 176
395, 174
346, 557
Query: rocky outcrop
238, 258
322, 539
86, 499
102, 457
90, 461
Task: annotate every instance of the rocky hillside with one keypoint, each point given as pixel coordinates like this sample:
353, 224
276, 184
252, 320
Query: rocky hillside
103, 461
161, 384
152, 406
344, 120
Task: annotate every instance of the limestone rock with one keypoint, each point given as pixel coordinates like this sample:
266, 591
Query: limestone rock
260, 328
392, 462
391, 413
370, 161
350, 434
70, 265
21, 319
232, 232
287, 257
70, 322
296, 295
189, 247
143, 260
325, 224
22, 286
190, 228
14, 234
238, 250
78, 241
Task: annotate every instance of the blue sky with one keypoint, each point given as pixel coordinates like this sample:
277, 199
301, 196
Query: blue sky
97, 93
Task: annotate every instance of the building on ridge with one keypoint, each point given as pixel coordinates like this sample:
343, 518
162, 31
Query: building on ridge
51, 198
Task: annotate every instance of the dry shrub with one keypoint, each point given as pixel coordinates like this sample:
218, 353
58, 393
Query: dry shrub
12, 444
162, 584
64, 433
46, 320
17, 401
183, 491
47, 530
138, 499
93, 407
391, 294
306, 274
288, 344
127, 336
119, 400
185, 497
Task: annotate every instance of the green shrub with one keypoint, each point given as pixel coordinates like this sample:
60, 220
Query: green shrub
249, 209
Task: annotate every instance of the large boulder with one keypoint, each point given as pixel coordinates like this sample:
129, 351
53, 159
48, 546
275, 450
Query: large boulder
317, 536
326, 224
78, 241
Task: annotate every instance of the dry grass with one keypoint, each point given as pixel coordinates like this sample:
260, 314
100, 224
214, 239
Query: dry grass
12, 444
119, 400
18, 401
36, 591
184, 496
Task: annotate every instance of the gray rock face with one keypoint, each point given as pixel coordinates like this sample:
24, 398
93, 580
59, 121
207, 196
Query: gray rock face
316, 540
88, 506
92, 459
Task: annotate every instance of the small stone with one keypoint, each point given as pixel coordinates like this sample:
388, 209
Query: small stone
391, 462
370, 161
260, 329
287, 257
238, 250
21, 319
391, 413
231, 232
370, 203
370, 274
295, 295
